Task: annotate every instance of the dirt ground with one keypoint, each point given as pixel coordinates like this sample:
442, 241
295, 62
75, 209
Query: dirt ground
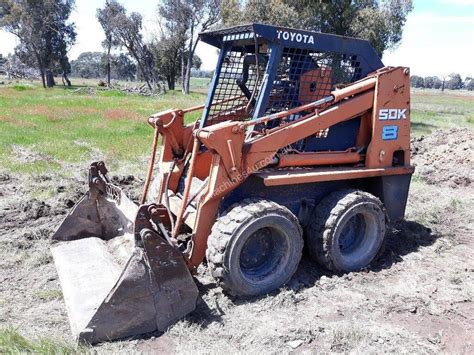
417, 297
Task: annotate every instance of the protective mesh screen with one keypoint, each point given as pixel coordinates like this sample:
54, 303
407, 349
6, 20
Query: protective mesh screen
230, 102
304, 76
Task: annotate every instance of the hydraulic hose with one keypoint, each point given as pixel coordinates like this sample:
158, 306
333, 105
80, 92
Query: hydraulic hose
166, 201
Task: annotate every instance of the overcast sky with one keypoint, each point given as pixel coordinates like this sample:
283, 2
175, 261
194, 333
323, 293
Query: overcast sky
438, 38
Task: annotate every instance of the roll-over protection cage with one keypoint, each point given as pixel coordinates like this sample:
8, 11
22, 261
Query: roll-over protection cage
263, 69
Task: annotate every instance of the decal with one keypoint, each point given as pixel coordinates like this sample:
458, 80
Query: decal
392, 114
389, 133
295, 37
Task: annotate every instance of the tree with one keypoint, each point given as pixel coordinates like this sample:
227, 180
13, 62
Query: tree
231, 12
429, 82
122, 67
168, 60
126, 31
104, 16
275, 12
467, 81
432, 82
443, 82
167, 52
197, 62
94, 65
437, 83
63, 38
44, 33
187, 18
454, 82
417, 81
88, 65
379, 22
470, 85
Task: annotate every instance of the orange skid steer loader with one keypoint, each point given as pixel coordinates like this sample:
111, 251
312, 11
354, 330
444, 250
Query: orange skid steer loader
304, 140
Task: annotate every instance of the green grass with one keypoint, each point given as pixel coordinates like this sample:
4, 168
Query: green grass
12, 342
44, 130
433, 109
41, 129
22, 87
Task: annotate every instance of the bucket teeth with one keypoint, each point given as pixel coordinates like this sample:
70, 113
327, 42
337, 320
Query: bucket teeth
118, 281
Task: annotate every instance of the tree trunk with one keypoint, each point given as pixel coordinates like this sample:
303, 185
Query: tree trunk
140, 66
144, 73
49, 79
109, 40
41, 67
66, 79
43, 79
188, 73
189, 62
170, 80
145, 76
183, 69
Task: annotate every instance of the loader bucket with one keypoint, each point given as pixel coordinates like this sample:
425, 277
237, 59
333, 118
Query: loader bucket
118, 274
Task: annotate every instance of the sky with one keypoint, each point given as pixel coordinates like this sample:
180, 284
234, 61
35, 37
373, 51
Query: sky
438, 37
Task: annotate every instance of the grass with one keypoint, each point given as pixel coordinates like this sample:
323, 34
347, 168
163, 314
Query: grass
12, 342
433, 109
22, 87
44, 130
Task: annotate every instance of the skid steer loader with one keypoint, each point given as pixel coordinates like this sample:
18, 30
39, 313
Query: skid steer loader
304, 139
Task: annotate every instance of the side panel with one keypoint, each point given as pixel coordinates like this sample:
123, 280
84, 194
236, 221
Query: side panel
390, 143
299, 199
302, 198
392, 191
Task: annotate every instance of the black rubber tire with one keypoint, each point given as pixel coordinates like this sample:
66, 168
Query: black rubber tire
250, 221
345, 250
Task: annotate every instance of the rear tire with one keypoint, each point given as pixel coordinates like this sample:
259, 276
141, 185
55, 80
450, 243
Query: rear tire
254, 248
347, 230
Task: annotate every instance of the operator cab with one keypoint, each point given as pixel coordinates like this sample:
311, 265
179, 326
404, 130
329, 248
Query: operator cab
264, 69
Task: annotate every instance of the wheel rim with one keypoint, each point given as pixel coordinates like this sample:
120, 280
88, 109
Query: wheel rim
357, 239
352, 234
262, 253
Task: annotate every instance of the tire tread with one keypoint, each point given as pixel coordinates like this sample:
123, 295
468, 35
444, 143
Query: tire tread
227, 225
320, 232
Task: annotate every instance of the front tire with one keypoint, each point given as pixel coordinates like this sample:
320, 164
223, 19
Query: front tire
254, 248
347, 230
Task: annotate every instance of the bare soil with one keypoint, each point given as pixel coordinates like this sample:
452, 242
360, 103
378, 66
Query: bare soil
445, 157
418, 296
